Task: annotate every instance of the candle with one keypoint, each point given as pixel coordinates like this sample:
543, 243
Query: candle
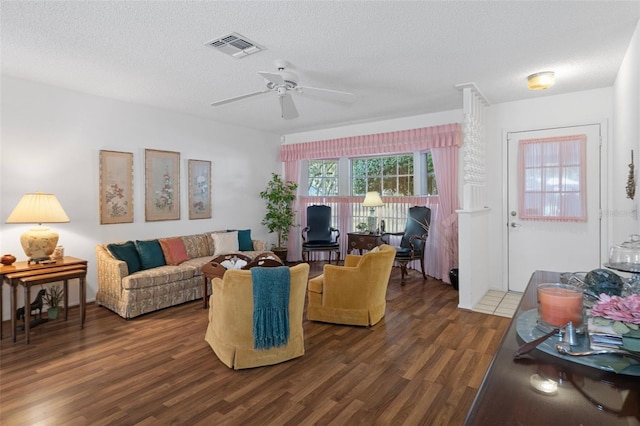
560, 303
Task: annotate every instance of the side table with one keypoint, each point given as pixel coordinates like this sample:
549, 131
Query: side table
363, 241
22, 273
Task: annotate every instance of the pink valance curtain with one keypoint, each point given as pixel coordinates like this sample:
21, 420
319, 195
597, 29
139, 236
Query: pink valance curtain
552, 179
420, 139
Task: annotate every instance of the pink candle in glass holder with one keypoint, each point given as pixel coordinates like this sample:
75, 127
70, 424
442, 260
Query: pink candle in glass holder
560, 303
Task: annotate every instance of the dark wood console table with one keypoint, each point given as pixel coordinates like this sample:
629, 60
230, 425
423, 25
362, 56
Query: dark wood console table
363, 241
584, 396
25, 274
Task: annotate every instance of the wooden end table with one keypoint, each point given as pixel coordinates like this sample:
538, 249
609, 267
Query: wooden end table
27, 275
363, 241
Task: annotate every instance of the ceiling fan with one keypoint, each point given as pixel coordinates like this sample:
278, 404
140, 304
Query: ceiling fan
282, 82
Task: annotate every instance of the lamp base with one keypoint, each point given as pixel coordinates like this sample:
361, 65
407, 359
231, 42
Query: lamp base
38, 243
43, 260
372, 224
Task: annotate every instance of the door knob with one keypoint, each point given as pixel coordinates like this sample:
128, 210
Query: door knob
515, 225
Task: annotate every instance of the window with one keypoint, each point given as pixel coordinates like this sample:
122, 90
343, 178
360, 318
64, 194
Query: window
552, 178
388, 175
323, 177
432, 188
402, 175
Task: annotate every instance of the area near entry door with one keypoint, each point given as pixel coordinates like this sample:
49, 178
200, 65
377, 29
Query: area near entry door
546, 228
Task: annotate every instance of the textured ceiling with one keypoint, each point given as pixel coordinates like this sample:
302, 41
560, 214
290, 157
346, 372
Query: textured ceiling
399, 58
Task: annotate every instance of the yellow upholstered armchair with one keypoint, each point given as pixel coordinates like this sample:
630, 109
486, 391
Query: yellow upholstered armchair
354, 293
230, 330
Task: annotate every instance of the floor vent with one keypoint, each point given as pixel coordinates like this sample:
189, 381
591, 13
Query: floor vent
235, 45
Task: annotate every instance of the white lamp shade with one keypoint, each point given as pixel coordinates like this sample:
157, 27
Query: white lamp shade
372, 199
38, 208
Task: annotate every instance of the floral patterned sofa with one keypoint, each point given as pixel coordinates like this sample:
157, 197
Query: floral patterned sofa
134, 278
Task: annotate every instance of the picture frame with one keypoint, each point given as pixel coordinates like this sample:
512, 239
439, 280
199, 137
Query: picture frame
162, 185
116, 187
199, 189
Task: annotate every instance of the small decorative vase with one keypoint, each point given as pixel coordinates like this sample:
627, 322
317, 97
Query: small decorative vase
453, 276
8, 259
52, 313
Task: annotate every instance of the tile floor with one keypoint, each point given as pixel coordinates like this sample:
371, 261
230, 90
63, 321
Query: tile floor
500, 303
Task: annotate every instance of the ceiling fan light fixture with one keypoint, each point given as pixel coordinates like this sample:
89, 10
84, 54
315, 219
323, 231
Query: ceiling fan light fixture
541, 80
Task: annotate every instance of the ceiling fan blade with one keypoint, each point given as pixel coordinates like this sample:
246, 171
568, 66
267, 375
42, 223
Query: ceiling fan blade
287, 106
274, 78
336, 92
237, 98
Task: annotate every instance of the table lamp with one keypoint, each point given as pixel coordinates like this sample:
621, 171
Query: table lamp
372, 200
40, 241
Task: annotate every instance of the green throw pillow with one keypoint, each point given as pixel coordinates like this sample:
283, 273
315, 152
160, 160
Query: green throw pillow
127, 253
150, 253
244, 240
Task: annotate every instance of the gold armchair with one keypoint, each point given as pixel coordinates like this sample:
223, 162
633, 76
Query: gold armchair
230, 330
354, 293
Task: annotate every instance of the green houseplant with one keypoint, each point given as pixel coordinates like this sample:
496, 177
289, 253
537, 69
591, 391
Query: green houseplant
280, 215
52, 298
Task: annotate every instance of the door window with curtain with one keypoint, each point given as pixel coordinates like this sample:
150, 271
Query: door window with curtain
552, 179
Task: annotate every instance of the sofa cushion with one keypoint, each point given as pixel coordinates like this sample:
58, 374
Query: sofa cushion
160, 276
225, 242
173, 250
196, 245
150, 253
128, 253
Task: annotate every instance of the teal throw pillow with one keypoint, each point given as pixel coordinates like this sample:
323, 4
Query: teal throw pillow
150, 253
244, 240
127, 253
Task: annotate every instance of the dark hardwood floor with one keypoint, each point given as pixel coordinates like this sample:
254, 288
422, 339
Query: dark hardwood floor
422, 364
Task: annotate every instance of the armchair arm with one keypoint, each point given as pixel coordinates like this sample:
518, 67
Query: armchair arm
303, 233
332, 229
385, 236
110, 272
352, 260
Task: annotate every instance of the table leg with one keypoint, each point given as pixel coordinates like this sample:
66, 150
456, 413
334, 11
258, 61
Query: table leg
65, 287
14, 308
27, 312
204, 292
83, 296
1, 303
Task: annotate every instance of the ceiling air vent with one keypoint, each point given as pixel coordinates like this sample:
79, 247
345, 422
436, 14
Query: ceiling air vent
235, 45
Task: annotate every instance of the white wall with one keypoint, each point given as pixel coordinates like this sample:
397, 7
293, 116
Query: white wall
413, 122
592, 106
50, 142
626, 137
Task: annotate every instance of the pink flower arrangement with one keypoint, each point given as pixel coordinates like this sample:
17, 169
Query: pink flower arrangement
626, 309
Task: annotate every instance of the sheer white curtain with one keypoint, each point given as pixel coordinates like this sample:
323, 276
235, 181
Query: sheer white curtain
294, 245
445, 164
552, 179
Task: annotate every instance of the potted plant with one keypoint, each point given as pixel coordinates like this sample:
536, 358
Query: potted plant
52, 298
280, 215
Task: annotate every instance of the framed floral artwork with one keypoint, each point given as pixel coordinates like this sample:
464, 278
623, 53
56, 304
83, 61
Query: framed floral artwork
199, 189
162, 185
116, 187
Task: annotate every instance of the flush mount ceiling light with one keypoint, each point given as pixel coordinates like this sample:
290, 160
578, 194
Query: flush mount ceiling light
541, 80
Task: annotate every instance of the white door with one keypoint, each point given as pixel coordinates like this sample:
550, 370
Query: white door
547, 245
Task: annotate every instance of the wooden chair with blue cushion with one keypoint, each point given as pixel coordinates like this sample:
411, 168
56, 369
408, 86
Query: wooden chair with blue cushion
319, 235
413, 239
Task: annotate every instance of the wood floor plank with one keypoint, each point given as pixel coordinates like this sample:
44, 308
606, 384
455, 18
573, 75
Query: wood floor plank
421, 364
